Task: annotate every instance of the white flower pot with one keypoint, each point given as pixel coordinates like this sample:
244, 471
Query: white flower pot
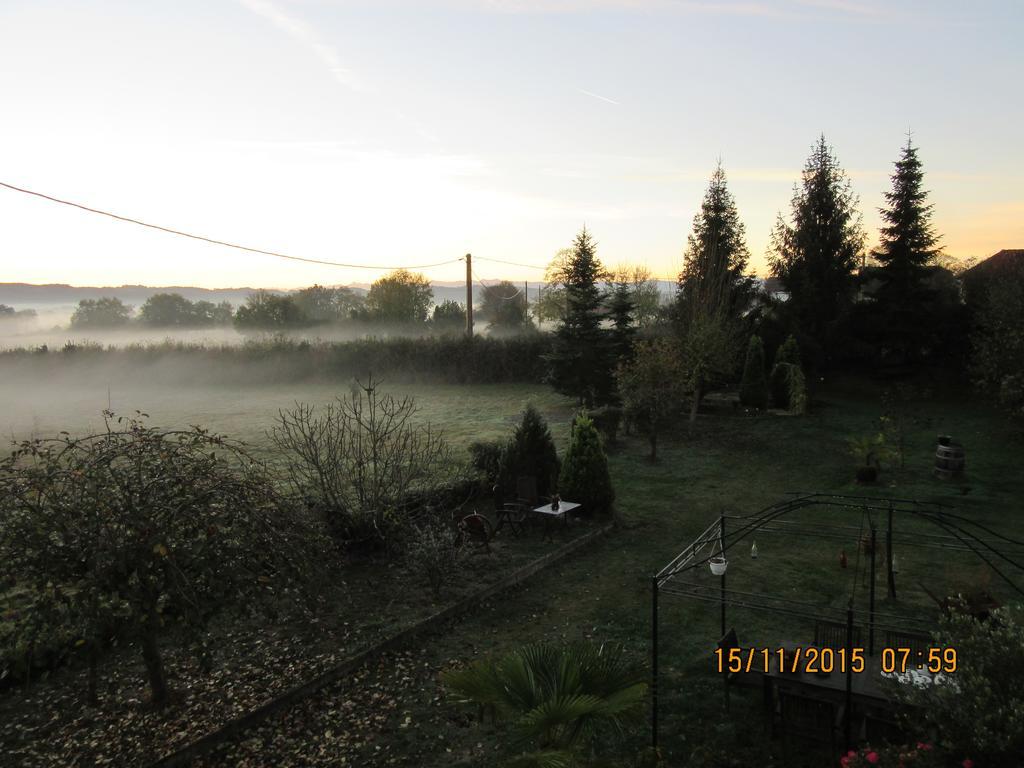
718, 565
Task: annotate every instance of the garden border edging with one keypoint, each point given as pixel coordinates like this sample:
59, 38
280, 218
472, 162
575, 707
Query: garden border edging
185, 755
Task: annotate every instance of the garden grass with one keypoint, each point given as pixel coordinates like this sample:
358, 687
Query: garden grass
729, 462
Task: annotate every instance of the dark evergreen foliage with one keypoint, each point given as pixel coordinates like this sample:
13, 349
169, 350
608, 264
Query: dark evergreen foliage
788, 354
585, 478
621, 312
815, 256
581, 360
754, 385
907, 248
530, 453
716, 256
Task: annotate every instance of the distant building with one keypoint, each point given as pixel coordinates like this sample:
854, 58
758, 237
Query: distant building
772, 287
1008, 263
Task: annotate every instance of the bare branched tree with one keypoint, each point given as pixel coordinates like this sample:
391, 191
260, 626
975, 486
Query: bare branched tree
361, 460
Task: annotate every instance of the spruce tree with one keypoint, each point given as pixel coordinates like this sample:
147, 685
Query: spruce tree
530, 453
716, 255
907, 247
580, 360
621, 310
815, 256
584, 477
754, 385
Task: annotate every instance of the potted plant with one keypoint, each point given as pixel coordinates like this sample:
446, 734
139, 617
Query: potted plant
718, 565
870, 450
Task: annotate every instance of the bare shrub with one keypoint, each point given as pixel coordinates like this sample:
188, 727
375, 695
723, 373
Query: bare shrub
362, 461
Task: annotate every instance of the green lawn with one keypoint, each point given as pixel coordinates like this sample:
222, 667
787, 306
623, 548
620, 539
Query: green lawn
729, 463
482, 412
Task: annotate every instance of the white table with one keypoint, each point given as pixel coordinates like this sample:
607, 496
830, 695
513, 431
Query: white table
564, 507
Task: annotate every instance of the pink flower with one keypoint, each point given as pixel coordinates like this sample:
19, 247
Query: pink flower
924, 746
872, 757
967, 763
844, 761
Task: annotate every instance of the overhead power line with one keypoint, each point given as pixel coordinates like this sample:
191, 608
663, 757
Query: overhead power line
510, 263
480, 280
218, 242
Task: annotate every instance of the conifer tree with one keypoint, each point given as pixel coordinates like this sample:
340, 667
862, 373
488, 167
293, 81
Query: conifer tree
716, 254
530, 453
584, 477
815, 256
907, 247
580, 360
621, 310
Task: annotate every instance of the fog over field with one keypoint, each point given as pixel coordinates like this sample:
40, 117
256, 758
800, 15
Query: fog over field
40, 395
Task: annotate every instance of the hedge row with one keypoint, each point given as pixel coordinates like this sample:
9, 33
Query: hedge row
446, 359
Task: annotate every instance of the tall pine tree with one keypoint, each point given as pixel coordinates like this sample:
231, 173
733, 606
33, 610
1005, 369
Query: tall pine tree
712, 291
907, 248
621, 312
815, 256
716, 255
581, 360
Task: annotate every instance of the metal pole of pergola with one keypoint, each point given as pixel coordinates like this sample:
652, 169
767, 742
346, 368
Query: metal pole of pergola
960, 534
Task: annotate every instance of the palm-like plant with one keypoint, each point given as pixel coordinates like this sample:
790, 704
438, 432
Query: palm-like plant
556, 697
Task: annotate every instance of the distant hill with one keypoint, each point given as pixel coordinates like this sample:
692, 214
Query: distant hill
28, 296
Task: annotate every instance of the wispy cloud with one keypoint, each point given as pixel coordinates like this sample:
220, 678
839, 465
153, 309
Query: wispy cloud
865, 9
597, 96
305, 35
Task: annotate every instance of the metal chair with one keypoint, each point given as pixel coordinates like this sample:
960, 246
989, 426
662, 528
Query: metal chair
514, 514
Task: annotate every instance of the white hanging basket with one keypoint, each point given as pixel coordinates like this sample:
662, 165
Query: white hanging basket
718, 565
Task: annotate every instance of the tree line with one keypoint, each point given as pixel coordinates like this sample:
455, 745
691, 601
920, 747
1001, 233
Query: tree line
896, 307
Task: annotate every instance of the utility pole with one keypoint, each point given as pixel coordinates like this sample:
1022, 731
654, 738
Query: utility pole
469, 296
526, 299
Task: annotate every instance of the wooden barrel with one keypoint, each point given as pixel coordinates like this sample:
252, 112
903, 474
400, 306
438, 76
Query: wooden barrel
949, 461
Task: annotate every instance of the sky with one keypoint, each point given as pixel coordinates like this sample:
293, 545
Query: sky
409, 132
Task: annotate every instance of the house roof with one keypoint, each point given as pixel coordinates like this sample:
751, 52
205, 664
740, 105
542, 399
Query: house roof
999, 263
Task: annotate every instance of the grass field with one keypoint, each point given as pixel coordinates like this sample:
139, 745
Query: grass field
481, 412
396, 712
729, 462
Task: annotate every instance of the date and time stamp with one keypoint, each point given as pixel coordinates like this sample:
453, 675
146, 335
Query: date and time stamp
824, 661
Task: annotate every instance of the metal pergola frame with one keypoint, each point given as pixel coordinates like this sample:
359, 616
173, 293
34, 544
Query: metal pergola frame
961, 534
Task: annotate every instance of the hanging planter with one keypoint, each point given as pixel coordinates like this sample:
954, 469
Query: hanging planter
718, 565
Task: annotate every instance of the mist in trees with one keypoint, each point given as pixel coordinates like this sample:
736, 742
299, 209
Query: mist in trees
324, 304
503, 306
170, 310
400, 297
266, 310
101, 313
449, 316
